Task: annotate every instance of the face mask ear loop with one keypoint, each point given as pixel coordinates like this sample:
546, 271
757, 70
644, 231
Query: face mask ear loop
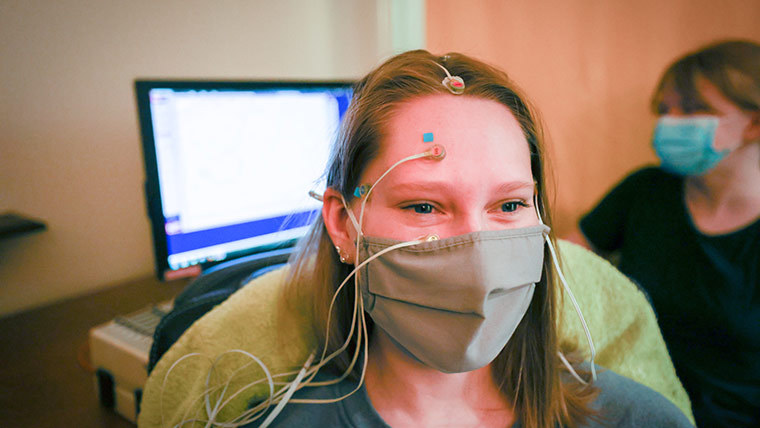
578, 311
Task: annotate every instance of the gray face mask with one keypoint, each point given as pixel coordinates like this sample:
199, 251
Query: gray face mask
454, 303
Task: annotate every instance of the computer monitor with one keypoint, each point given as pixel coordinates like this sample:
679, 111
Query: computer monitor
229, 165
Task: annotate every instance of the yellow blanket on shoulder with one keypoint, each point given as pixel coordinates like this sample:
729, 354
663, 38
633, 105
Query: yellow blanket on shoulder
183, 387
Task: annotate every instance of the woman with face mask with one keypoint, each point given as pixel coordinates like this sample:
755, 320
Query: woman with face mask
688, 231
434, 233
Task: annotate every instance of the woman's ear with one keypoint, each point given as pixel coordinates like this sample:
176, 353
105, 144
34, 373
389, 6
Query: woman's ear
752, 132
339, 225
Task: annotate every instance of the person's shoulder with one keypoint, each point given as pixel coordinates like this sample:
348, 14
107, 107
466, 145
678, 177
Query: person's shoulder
623, 402
650, 175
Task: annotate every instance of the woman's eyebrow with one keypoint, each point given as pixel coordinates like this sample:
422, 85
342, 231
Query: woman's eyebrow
445, 186
425, 186
514, 186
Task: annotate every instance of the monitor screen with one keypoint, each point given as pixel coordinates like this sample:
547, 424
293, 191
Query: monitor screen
229, 165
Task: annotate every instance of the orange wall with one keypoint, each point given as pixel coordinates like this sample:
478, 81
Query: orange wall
590, 68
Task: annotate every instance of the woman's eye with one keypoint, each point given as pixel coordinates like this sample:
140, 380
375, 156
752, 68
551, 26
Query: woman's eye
422, 208
511, 206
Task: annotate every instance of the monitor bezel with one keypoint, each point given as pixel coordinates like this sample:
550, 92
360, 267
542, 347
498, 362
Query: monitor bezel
152, 192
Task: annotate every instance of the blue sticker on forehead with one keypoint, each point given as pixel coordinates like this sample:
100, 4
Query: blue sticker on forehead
427, 137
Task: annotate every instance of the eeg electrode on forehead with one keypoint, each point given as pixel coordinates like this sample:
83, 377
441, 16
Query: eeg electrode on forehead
436, 152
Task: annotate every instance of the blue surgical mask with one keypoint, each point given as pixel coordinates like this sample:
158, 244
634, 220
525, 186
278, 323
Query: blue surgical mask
685, 144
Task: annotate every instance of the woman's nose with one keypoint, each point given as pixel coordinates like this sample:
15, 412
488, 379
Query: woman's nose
469, 223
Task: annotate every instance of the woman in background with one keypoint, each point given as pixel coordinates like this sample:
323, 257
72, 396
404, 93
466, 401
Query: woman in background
688, 231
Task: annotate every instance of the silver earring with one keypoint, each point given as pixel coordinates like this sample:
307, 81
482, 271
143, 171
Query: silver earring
340, 254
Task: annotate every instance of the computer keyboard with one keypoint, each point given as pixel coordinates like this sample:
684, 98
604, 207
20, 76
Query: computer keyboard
119, 351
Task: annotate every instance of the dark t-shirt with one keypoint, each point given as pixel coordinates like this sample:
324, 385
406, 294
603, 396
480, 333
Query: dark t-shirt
704, 289
621, 403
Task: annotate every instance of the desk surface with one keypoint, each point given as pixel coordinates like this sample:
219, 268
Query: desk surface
41, 381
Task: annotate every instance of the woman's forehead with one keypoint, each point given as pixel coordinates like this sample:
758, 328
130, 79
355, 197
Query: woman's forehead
479, 136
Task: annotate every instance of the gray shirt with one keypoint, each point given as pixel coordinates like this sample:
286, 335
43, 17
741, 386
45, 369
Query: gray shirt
621, 402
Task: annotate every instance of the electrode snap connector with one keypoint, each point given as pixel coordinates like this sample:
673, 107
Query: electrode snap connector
437, 152
455, 84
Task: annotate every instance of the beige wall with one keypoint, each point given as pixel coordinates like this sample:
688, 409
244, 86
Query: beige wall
590, 67
69, 146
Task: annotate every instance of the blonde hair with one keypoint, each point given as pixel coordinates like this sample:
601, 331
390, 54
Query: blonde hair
733, 66
527, 370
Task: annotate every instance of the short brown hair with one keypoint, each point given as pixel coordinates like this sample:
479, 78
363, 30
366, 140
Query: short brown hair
733, 66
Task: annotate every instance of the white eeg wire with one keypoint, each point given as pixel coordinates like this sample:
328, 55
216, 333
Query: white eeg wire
362, 334
365, 197
570, 368
283, 395
577, 307
291, 390
358, 302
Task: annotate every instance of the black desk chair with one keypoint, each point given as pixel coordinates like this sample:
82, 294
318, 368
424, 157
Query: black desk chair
208, 290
